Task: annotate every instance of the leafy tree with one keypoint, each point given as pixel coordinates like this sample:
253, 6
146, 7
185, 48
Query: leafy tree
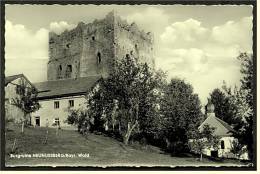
236, 148
199, 141
181, 110
126, 99
226, 105
78, 117
247, 90
235, 106
222, 105
26, 100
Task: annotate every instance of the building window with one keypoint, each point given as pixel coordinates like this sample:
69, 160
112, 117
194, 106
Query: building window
71, 103
59, 72
37, 121
222, 144
69, 71
19, 90
7, 100
56, 105
57, 121
99, 57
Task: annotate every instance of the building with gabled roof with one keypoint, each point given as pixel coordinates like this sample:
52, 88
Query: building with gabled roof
224, 131
13, 91
57, 97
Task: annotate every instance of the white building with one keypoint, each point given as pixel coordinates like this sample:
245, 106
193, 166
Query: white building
13, 87
222, 130
56, 97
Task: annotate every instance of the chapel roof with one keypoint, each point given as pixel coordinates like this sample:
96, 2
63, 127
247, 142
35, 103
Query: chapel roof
223, 129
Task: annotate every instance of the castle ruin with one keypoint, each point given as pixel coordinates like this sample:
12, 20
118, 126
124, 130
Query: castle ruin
89, 49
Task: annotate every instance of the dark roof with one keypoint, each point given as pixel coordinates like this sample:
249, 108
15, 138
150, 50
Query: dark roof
222, 128
9, 79
226, 125
68, 87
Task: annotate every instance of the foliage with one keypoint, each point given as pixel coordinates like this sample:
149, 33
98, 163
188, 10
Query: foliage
199, 141
235, 106
236, 148
181, 110
26, 100
247, 87
80, 118
226, 102
126, 101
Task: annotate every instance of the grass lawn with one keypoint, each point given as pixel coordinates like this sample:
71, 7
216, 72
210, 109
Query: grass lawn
102, 150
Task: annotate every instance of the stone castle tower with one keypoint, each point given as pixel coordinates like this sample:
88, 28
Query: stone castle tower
89, 49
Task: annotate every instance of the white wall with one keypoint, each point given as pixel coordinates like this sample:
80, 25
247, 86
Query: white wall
12, 111
226, 151
47, 110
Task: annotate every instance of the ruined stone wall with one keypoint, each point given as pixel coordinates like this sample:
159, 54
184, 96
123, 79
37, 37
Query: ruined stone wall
64, 50
130, 40
98, 46
89, 49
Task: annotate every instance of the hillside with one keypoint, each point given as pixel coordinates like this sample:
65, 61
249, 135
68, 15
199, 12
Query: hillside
102, 151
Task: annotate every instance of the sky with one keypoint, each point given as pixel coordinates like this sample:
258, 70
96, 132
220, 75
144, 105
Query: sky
197, 43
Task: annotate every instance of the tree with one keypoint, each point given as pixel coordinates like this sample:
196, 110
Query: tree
236, 105
247, 88
199, 141
181, 110
125, 99
222, 105
236, 148
26, 100
226, 105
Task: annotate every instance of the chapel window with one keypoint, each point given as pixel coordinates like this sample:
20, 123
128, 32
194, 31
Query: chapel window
222, 144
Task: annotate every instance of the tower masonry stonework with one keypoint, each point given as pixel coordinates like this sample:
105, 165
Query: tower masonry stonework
89, 49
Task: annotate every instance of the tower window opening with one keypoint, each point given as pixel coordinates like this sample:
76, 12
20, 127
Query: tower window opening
68, 45
93, 37
59, 72
136, 47
99, 57
68, 71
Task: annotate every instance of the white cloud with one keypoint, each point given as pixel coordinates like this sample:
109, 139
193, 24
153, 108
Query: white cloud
21, 43
151, 19
59, 27
26, 51
184, 33
204, 56
190, 60
239, 33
